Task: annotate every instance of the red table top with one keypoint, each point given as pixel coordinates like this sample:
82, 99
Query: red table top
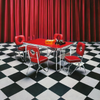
42, 43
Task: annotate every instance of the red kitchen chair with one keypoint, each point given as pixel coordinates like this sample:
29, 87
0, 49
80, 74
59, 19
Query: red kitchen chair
35, 57
76, 59
19, 42
58, 36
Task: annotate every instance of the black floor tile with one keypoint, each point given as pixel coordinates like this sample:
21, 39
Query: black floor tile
61, 99
7, 99
54, 59
11, 89
3, 49
98, 66
4, 66
94, 75
12, 54
36, 89
85, 60
59, 89
2, 75
87, 98
40, 76
57, 76
89, 67
35, 99
98, 86
83, 88
96, 59
1, 53
21, 67
91, 54
17, 76
8, 60
77, 75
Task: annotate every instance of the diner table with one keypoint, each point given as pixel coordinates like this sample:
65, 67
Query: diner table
41, 43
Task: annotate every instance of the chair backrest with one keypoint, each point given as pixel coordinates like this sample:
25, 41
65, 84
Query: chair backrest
19, 39
80, 48
33, 51
58, 36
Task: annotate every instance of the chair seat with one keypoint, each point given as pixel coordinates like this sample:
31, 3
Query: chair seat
41, 59
72, 59
21, 48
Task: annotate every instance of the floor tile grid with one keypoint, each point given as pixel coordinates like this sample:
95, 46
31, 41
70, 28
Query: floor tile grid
58, 87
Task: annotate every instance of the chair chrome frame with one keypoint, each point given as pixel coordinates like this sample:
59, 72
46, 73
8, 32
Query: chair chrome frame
81, 58
39, 65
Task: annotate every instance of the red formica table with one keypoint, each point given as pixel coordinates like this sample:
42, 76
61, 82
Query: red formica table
41, 42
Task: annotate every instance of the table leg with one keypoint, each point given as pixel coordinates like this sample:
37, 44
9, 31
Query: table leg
70, 51
60, 59
56, 60
47, 52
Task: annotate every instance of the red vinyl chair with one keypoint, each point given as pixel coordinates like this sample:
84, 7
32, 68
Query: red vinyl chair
58, 36
19, 42
76, 59
35, 57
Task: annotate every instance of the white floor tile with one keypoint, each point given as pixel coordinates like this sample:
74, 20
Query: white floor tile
90, 48
47, 95
26, 82
95, 94
96, 70
87, 56
73, 95
47, 82
10, 47
5, 82
97, 56
2, 62
93, 63
14, 63
89, 81
9, 71
22, 95
94, 51
70, 82
4, 56
2, 95
30, 71
51, 71
7, 51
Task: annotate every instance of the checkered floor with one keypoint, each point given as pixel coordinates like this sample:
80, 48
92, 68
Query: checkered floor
52, 85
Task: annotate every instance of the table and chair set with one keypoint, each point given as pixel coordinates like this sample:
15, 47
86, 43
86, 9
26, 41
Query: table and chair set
31, 48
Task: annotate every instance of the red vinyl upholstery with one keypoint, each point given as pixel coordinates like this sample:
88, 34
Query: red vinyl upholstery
21, 48
78, 51
41, 59
32, 52
58, 36
34, 55
75, 59
19, 41
72, 59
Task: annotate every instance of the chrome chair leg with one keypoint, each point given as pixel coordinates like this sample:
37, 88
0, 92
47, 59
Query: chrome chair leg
29, 66
47, 67
37, 70
84, 69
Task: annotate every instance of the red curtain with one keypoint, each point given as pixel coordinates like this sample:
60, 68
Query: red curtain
77, 20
